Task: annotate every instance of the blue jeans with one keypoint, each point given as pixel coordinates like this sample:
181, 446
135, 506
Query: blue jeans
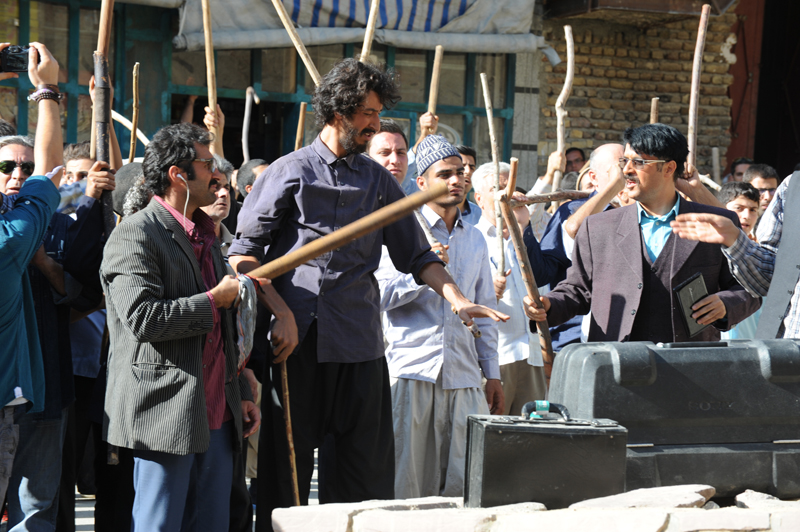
184, 492
35, 480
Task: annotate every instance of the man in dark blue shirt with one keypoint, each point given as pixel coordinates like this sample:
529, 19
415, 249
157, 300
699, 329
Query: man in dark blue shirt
338, 376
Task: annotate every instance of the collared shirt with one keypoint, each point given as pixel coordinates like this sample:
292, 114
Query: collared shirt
754, 263
424, 336
471, 214
656, 229
201, 235
310, 193
515, 339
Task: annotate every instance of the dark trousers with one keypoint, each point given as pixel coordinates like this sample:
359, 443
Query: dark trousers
241, 505
115, 493
351, 402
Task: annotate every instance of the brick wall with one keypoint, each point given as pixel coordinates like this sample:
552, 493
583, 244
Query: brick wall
620, 66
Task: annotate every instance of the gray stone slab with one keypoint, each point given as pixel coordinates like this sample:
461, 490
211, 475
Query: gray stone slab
594, 520
763, 501
338, 517
687, 496
724, 519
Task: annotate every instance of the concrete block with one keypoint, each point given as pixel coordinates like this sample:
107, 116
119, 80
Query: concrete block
688, 496
785, 521
763, 501
724, 519
633, 520
458, 520
338, 517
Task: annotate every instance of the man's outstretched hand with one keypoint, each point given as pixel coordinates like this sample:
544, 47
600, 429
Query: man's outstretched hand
709, 228
471, 310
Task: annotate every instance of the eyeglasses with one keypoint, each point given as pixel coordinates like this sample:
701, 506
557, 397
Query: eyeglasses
211, 164
763, 191
638, 163
6, 167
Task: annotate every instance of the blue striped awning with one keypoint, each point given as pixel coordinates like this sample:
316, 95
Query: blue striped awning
488, 26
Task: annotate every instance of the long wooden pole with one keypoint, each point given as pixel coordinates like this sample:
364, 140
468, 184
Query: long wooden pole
211, 71
298, 44
545, 342
654, 110
250, 96
716, 166
561, 195
135, 121
371, 222
487, 99
697, 68
433, 94
301, 127
561, 112
372, 21
101, 110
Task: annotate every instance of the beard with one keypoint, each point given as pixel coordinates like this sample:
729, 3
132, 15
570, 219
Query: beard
349, 140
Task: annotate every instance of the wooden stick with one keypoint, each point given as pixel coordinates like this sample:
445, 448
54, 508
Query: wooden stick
211, 72
487, 99
697, 68
528, 279
654, 111
433, 95
558, 196
101, 109
287, 418
561, 113
301, 127
135, 121
715, 163
298, 44
371, 222
250, 96
710, 183
128, 124
370, 33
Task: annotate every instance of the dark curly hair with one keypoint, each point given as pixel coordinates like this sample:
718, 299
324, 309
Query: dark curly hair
346, 86
172, 146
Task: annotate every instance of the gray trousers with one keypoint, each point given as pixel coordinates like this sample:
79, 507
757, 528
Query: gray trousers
430, 434
522, 383
9, 439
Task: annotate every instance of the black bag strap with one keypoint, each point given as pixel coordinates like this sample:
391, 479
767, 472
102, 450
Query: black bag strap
787, 267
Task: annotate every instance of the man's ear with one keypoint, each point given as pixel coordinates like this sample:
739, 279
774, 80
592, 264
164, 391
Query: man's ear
173, 173
421, 183
248, 188
670, 168
478, 198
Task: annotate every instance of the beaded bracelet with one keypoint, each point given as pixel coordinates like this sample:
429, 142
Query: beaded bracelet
45, 94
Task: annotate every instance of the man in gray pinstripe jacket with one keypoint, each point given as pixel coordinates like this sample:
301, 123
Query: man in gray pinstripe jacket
173, 394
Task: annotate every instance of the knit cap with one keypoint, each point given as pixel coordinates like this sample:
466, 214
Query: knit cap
433, 148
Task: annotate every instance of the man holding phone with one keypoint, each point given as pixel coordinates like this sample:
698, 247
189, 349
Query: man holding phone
627, 262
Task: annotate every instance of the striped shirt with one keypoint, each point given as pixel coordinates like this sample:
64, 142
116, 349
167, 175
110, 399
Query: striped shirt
201, 235
754, 263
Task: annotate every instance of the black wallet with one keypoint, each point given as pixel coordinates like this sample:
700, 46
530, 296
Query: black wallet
690, 292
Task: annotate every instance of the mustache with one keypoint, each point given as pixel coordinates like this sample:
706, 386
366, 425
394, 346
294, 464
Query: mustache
368, 130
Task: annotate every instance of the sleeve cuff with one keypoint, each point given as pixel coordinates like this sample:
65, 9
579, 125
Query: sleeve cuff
491, 368
742, 247
214, 309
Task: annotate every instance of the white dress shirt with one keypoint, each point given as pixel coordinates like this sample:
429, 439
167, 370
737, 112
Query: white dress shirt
423, 334
515, 339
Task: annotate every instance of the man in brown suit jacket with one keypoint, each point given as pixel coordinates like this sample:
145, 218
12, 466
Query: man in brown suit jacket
627, 262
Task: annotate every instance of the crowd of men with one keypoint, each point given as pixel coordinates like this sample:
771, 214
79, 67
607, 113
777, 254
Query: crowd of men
154, 347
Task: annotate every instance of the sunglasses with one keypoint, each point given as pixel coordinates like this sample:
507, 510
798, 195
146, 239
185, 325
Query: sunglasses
6, 167
637, 163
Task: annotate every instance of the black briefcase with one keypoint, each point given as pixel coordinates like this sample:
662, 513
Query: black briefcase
725, 414
511, 459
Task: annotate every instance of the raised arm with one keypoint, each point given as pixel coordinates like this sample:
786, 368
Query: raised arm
49, 146
598, 202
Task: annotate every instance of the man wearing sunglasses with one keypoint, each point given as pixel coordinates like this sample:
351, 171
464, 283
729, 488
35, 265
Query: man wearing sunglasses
627, 262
